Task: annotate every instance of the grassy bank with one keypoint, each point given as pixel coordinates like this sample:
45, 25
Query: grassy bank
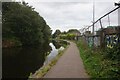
42, 71
99, 63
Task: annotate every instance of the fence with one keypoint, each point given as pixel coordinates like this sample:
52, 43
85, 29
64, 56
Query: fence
101, 33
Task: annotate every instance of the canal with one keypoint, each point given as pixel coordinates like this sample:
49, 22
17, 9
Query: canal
19, 62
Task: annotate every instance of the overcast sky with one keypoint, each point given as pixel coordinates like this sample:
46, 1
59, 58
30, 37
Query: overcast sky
73, 14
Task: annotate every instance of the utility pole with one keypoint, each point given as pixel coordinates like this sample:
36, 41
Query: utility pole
93, 20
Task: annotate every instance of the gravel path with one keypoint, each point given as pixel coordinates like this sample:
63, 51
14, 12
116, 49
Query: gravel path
69, 65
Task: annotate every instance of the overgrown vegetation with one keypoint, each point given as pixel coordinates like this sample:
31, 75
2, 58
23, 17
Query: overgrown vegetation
100, 63
22, 25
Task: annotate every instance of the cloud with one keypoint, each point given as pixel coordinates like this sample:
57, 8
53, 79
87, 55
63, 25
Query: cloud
66, 14
82, 1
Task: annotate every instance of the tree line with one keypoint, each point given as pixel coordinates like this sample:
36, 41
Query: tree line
70, 34
22, 25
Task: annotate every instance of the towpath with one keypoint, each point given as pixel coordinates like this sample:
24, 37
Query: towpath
69, 65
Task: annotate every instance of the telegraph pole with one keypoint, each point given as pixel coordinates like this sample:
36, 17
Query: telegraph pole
93, 20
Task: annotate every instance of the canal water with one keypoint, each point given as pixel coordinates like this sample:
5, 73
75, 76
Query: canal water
21, 61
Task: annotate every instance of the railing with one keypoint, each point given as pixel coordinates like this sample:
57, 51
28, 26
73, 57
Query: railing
103, 37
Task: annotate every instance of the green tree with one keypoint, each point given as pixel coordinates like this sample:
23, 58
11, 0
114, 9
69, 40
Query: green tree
57, 33
24, 25
47, 33
73, 31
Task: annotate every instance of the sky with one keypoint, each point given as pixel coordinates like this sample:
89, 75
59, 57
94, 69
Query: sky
73, 14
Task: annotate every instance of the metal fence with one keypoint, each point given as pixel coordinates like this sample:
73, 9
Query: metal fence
101, 33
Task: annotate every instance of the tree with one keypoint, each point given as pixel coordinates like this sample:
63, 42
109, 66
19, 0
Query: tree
73, 31
47, 33
24, 25
57, 33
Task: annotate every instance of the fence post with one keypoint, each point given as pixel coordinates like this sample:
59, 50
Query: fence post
108, 20
100, 23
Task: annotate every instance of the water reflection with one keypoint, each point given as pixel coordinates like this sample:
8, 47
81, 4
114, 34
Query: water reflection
56, 46
52, 54
19, 62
